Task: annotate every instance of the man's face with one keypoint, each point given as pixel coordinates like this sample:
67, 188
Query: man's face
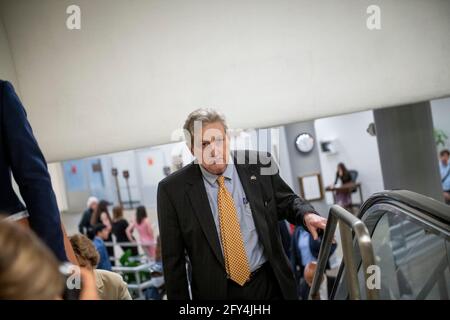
211, 147
104, 234
444, 159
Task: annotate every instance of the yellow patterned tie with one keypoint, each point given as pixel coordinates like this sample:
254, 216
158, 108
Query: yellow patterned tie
236, 262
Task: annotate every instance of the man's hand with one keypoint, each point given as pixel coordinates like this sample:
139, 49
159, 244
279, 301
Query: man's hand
313, 222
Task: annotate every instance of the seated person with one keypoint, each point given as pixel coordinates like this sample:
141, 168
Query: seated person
110, 285
343, 192
305, 250
101, 233
30, 271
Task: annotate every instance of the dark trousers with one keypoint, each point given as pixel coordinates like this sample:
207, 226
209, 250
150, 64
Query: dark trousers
263, 286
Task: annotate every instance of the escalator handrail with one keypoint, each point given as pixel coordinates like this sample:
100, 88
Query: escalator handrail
348, 224
433, 209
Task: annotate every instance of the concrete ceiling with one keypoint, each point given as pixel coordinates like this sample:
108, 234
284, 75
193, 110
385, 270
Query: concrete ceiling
136, 68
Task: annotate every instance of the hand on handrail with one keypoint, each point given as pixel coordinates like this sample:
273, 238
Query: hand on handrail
314, 222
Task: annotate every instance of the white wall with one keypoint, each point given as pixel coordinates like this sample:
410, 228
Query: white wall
144, 65
56, 174
8, 72
7, 69
356, 149
440, 111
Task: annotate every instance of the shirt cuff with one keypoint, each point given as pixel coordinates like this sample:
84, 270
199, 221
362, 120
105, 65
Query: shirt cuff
18, 216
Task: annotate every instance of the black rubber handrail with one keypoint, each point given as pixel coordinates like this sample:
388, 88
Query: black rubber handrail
432, 208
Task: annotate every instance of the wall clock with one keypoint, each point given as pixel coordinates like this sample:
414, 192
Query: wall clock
304, 142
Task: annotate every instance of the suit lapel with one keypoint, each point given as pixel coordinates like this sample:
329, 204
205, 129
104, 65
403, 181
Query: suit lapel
200, 205
249, 176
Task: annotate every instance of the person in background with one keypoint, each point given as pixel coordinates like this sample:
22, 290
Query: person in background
444, 167
145, 231
310, 270
101, 234
343, 194
85, 226
304, 250
222, 210
30, 271
110, 285
119, 229
21, 155
102, 216
156, 286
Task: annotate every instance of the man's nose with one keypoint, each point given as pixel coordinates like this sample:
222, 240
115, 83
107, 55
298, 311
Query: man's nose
213, 149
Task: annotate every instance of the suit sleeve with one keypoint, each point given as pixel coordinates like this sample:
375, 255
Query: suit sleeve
172, 247
29, 169
289, 205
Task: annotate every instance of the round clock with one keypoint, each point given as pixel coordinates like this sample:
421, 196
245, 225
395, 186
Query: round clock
304, 142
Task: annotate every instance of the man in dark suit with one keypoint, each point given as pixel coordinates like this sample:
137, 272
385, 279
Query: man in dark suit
222, 211
20, 154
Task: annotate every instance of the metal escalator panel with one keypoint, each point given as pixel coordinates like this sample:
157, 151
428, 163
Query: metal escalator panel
412, 251
413, 259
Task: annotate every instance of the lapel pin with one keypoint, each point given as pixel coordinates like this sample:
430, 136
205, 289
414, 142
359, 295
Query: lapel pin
253, 178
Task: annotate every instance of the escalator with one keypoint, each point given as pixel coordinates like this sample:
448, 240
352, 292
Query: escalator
401, 239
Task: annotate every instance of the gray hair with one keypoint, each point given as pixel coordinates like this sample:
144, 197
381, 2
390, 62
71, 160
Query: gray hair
206, 116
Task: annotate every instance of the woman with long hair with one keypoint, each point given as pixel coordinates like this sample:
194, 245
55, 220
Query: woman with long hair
343, 194
119, 229
101, 215
145, 231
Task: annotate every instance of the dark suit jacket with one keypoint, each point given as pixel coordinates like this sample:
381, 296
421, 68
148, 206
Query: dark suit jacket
186, 225
20, 153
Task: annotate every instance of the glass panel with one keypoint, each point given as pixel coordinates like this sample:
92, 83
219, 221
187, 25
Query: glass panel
414, 261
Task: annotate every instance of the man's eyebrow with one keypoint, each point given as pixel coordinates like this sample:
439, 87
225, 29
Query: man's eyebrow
212, 138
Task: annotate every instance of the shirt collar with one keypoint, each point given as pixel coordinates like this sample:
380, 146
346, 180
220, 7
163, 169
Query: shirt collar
212, 178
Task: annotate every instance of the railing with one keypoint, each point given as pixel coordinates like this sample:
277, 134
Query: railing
140, 285
138, 245
348, 224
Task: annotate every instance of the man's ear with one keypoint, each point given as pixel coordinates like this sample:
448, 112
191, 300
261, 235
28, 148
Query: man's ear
191, 148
